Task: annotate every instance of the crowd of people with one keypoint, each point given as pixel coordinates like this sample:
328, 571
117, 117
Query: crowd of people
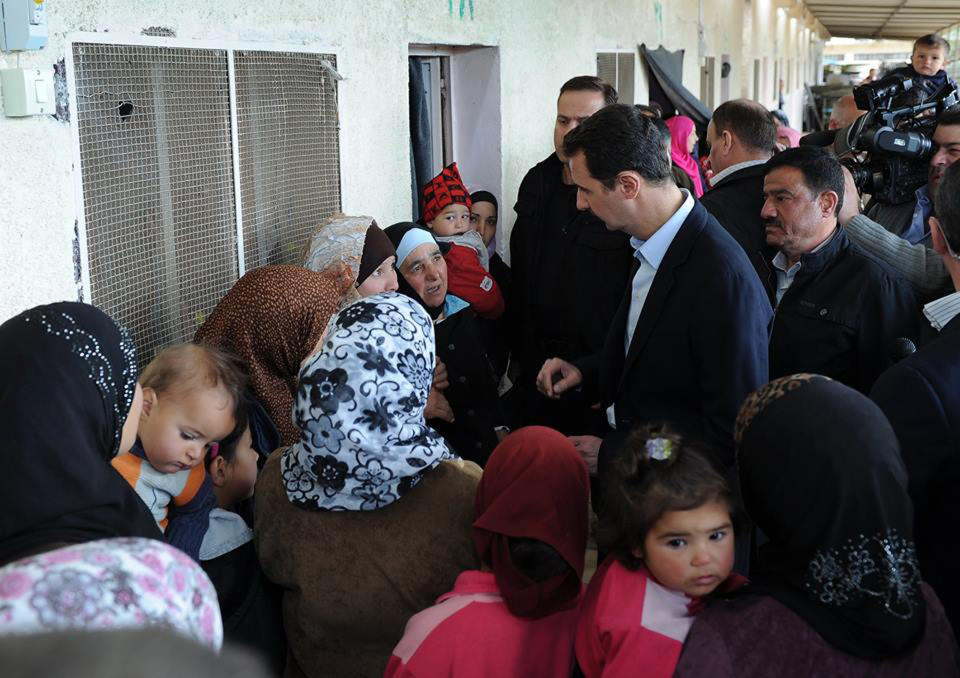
384, 461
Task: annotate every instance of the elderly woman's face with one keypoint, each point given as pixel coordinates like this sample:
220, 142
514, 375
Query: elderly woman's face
426, 271
384, 279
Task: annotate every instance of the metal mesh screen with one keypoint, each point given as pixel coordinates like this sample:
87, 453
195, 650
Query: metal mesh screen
616, 68
155, 150
288, 135
607, 67
625, 62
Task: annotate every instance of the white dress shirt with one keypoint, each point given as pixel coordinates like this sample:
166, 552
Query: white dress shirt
650, 253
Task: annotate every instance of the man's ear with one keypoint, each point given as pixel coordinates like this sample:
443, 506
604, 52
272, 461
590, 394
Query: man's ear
936, 237
149, 400
629, 184
727, 139
828, 203
218, 471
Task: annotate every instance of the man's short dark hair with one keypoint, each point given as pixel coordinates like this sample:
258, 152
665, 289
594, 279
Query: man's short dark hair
821, 170
620, 138
748, 121
591, 83
949, 117
948, 206
932, 40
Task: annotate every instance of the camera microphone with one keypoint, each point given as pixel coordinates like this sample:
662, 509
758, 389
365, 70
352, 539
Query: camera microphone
824, 138
902, 348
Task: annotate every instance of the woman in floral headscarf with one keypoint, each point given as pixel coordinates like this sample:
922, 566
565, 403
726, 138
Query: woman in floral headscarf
836, 590
367, 518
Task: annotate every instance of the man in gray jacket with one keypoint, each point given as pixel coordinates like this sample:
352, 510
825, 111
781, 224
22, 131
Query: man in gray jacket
906, 248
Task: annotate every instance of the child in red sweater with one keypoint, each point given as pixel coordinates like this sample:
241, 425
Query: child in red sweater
446, 212
518, 615
667, 521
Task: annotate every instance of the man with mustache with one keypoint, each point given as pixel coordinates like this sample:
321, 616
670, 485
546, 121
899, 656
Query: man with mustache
899, 235
838, 310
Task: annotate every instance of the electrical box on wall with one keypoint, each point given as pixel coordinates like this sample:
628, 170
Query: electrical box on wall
27, 91
24, 25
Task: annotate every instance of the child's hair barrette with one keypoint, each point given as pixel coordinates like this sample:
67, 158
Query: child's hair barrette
659, 449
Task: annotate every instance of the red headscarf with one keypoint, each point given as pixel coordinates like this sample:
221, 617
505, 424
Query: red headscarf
444, 189
680, 129
535, 485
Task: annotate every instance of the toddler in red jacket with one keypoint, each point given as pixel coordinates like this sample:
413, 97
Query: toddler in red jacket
667, 521
446, 212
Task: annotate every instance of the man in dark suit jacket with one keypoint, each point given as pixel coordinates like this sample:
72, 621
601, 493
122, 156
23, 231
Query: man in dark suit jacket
689, 340
742, 135
921, 397
567, 268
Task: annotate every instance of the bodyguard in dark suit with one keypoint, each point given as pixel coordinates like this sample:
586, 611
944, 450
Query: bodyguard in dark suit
689, 340
741, 135
921, 397
568, 271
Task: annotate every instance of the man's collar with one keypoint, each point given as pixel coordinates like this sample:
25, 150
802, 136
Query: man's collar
720, 176
943, 310
815, 258
655, 247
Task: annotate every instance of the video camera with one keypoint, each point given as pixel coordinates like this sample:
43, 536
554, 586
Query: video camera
886, 149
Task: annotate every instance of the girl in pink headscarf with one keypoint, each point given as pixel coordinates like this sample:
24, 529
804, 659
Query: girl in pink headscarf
683, 137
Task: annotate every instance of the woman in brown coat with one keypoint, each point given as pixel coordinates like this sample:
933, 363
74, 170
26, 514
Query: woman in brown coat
367, 518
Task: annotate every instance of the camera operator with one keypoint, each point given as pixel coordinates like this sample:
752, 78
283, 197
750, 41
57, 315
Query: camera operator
898, 234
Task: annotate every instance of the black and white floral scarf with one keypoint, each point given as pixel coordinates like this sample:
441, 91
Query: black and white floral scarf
364, 442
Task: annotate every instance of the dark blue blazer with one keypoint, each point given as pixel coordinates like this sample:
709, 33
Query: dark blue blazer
921, 397
700, 344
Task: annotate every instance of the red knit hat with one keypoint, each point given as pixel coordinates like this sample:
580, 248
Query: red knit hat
444, 189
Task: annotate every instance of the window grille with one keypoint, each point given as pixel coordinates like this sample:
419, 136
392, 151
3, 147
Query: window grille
156, 166
617, 68
289, 151
157, 170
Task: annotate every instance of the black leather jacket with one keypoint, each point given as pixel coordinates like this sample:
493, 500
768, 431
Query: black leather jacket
841, 316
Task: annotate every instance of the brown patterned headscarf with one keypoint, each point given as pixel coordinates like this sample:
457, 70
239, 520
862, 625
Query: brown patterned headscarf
272, 318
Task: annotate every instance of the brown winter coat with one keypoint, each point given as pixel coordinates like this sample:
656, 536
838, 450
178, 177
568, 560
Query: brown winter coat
351, 579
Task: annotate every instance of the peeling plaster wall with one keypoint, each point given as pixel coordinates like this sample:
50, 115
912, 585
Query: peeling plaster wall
542, 43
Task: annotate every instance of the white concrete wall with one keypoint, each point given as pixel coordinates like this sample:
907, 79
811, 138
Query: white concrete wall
542, 43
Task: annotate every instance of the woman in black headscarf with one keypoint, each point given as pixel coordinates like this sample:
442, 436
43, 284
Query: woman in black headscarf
68, 377
69, 402
836, 590
478, 421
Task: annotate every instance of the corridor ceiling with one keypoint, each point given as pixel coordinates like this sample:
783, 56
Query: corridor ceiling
906, 19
